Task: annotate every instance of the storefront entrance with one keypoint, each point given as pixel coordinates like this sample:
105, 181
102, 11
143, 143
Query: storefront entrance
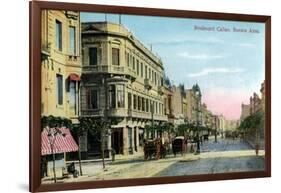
117, 140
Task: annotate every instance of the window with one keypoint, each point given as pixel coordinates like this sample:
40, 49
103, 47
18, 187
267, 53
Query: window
92, 98
156, 108
138, 68
72, 40
141, 69
72, 94
128, 59
147, 105
59, 89
135, 102
143, 104
151, 106
131, 60
120, 96
115, 56
112, 96
129, 101
93, 56
59, 35
134, 68
146, 72
139, 103
149, 73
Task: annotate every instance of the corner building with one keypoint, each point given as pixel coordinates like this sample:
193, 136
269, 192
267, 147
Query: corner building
122, 80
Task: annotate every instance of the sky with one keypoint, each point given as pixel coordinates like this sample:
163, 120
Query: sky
225, 58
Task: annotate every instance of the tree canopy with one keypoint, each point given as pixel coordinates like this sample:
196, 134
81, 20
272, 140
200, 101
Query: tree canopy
55, 122
254, 121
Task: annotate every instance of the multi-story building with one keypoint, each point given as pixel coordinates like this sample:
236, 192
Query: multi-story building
60, 77
61, 63
178, 104
168, 103
194, 104
121, 80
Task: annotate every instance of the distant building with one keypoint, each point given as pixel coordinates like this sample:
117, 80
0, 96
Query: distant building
231, 125
262, 90
245, 111
194, 104
255, 104
177, 103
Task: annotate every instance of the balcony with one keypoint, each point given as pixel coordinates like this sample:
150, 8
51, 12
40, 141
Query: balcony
138, 114
147, 84
92, 112
160, 117
73, 60
110, 69
146, 115
132, 74
103, 69
160, 90
121, 112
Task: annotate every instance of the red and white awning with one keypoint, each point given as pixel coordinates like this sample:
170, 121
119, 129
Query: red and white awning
64, 142
74, 77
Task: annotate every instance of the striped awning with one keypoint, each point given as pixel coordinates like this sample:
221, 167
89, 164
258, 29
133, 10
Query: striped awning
74, 77
64, 142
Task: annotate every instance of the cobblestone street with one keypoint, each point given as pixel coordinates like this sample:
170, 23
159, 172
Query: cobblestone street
226, 155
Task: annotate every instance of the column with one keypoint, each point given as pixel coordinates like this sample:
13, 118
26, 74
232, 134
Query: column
137, 138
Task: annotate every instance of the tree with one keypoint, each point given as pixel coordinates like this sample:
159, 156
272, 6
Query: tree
96, 126
252, 123
79, 132
165, 127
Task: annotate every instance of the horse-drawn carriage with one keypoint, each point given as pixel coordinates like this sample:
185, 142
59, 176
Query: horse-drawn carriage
179, 145
154, 148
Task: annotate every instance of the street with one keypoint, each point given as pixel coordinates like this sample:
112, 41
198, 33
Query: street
227, 155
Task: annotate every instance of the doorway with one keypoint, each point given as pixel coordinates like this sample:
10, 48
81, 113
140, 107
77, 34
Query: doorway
117, 140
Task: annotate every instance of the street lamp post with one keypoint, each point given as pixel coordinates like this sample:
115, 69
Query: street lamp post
215, 118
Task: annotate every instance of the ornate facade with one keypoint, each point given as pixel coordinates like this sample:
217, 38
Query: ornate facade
122, 80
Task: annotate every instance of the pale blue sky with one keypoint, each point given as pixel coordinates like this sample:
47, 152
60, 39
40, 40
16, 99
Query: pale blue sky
230, 63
